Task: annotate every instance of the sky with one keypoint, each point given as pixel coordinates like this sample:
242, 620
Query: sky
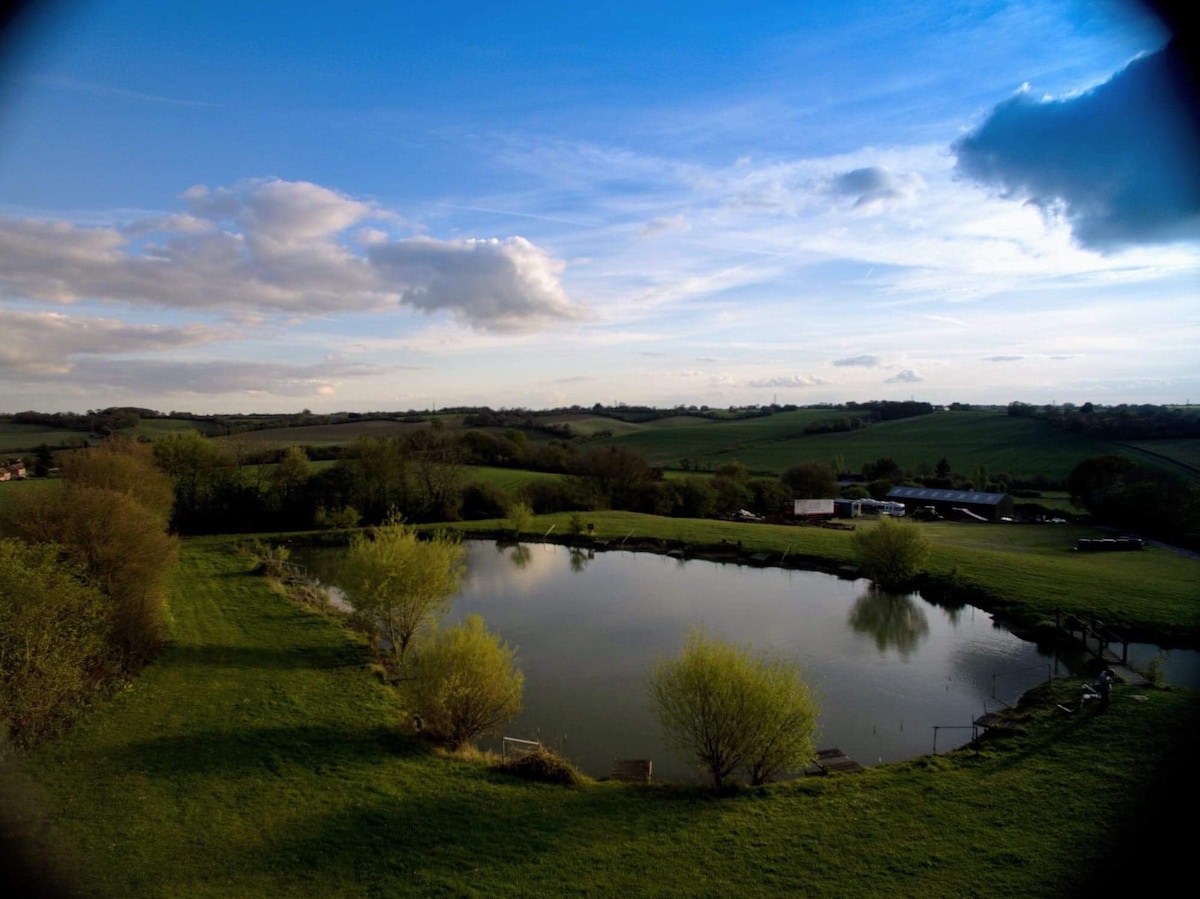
235, 207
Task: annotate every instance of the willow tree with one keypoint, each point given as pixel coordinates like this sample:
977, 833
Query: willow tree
465, 683
402, 582
734, 710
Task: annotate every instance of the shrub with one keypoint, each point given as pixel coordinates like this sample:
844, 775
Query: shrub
735, 711
51, 640
891, 553
124, 550
542, 765
520, 516
464, 683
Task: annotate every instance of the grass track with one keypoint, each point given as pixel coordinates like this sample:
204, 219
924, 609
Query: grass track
257, 757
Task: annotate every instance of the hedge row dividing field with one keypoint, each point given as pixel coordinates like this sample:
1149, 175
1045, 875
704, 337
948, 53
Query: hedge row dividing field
259, 755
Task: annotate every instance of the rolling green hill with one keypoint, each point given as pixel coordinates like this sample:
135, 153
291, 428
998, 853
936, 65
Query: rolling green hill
1022, 447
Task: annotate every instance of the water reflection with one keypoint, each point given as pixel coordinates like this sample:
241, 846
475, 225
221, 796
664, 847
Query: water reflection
893, 620
519, 554
579, 559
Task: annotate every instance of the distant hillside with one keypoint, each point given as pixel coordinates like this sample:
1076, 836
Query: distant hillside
1022, 447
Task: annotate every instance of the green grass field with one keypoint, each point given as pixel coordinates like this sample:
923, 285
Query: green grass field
1022, 447
16, 438
510, 479
10, 491
330, 435
154, 428
260, 757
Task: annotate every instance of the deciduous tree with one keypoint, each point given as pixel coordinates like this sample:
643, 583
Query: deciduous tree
891, 553
734, 710
402, 582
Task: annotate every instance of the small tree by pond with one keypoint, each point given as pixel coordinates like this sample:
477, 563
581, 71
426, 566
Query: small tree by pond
891, 553
520, 516
402, 582
465, 683
734, 710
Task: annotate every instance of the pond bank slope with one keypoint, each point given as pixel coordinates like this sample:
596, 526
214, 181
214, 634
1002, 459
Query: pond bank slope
259, 756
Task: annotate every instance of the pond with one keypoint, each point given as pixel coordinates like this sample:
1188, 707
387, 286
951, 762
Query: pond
588, 628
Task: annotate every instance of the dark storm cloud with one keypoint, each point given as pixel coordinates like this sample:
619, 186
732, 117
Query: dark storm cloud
1119, 162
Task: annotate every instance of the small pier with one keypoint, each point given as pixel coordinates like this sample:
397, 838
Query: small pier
834, 761
632, 771
1102, 642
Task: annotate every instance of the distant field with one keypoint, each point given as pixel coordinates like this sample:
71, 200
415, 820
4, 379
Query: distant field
1179, 453
11, 490
668, 441
1019, 446
16, 438
332, 435
505, 478
154, 428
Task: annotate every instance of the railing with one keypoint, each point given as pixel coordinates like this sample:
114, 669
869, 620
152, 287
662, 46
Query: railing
971, 727
519, 746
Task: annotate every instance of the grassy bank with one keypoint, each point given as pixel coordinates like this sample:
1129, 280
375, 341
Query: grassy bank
259, 756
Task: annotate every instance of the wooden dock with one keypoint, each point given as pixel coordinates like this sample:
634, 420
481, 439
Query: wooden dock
632, 771
834, 761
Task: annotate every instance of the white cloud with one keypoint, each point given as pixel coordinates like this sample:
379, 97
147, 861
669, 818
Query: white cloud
508, 285
865, 361
220, 376
908, 376
44, 342
665, 224
787, 381
276, 247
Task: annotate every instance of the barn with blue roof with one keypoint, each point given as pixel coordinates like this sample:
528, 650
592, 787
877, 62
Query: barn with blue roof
989, 506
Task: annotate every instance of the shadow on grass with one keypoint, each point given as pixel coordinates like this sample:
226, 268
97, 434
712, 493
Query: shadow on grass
457, 840
1145, 839
1153, 841
345, 655
246, 751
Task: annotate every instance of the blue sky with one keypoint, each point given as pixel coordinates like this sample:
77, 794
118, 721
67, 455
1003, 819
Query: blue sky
265, 206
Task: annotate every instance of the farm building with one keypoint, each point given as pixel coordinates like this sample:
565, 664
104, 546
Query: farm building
808, 509
847, 508
990, 506
13, 470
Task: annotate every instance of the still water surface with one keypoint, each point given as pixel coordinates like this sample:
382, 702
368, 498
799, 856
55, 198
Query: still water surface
887, 668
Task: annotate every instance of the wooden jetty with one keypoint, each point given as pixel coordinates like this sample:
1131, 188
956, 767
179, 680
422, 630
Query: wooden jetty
831, 761
632, 771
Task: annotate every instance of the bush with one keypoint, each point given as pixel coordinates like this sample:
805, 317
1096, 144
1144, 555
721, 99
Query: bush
124, 550
542, 765
735, 711
891, 553
51, 640
464, 683
519, 518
